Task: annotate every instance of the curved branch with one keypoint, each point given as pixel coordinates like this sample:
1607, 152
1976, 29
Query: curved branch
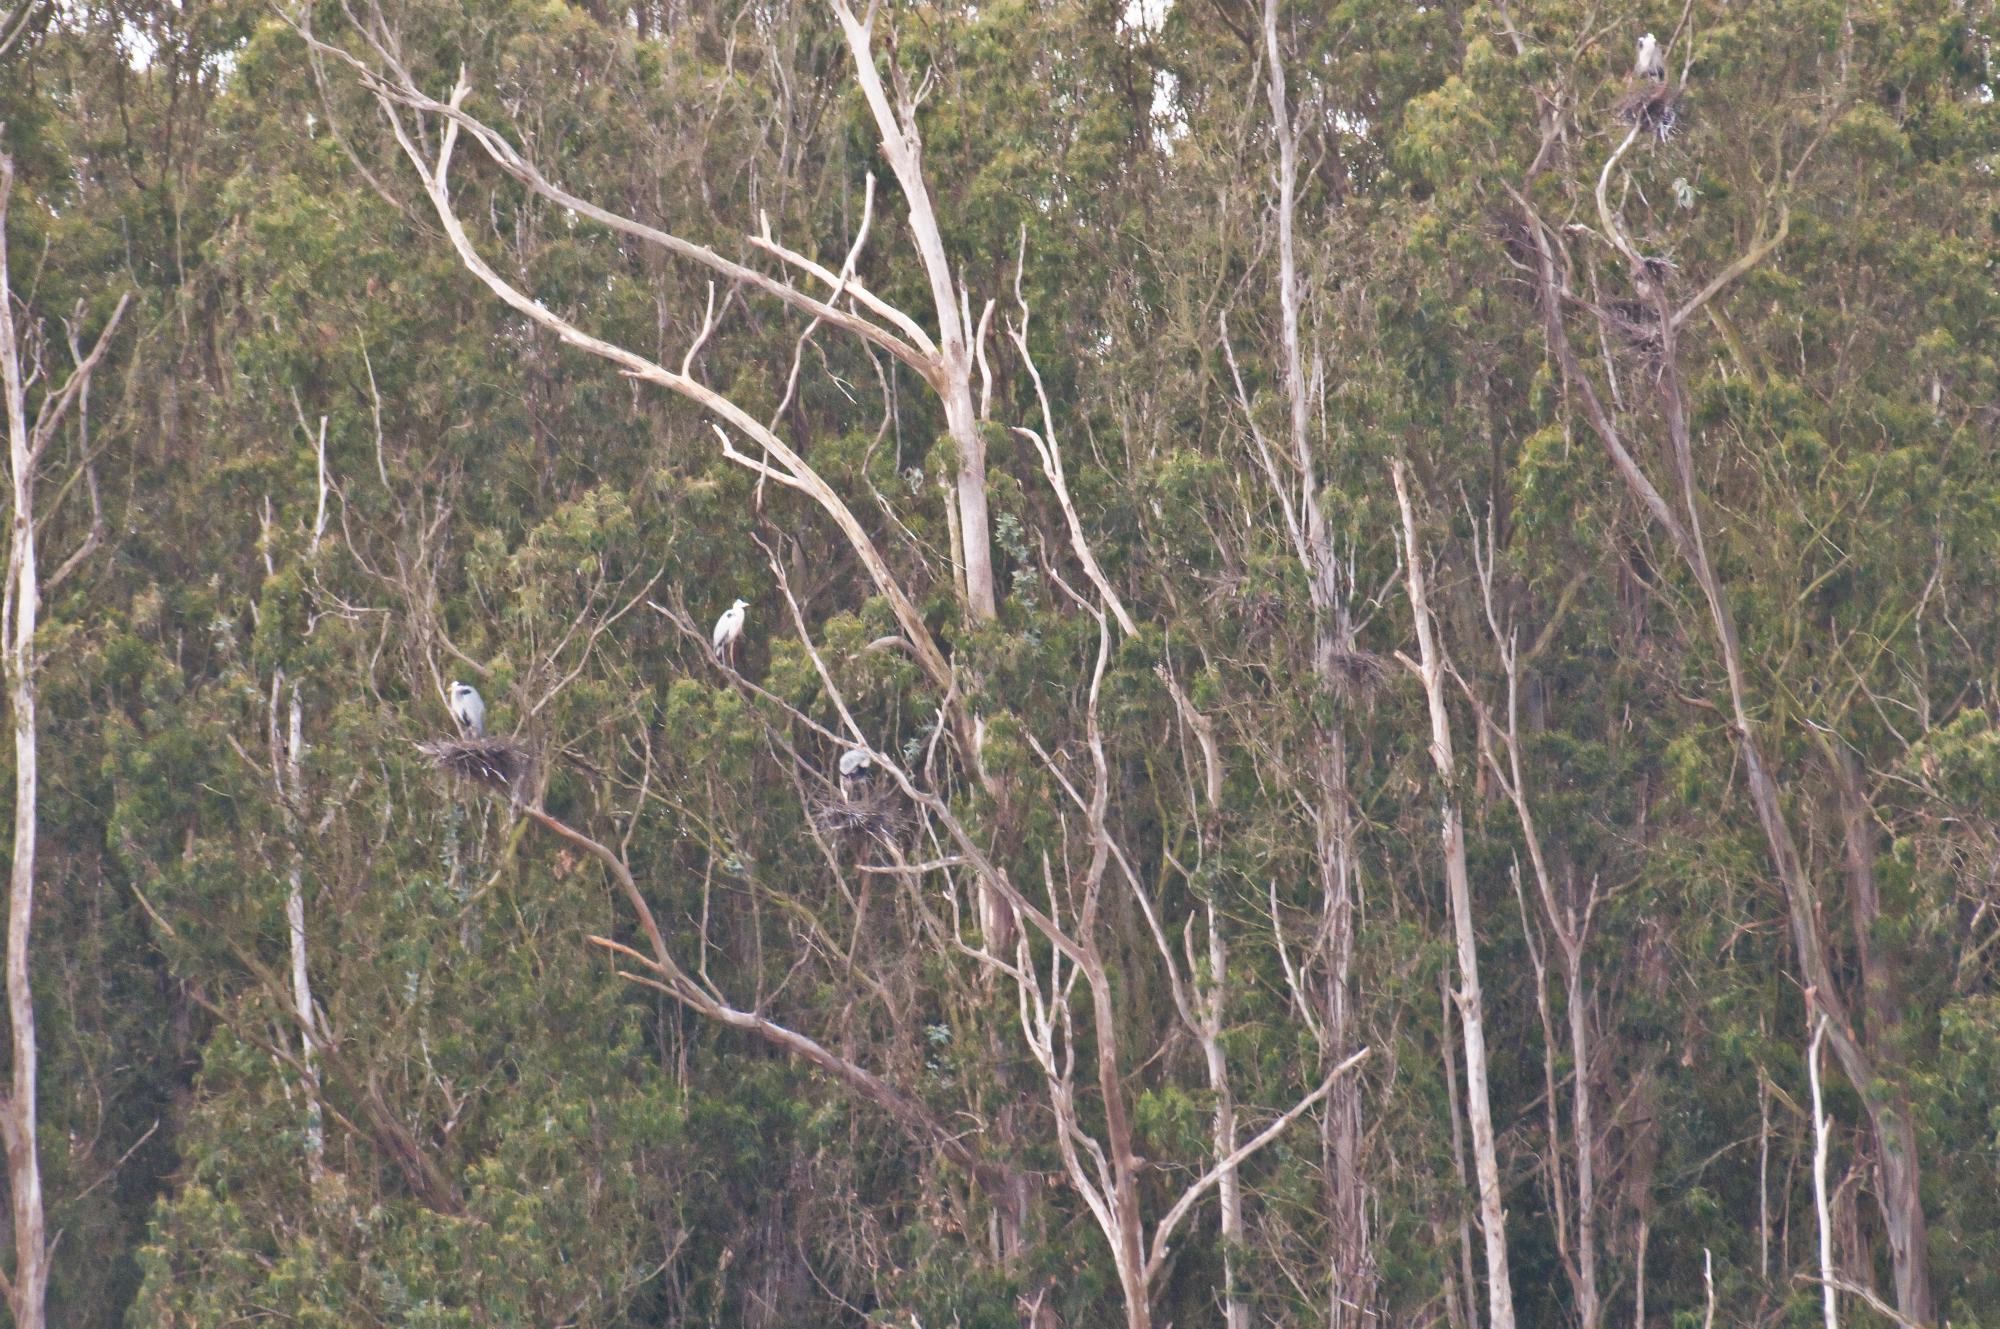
1192, 1195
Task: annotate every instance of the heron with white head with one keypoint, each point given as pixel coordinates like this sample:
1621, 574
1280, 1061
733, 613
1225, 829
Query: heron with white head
468, 708
1652, 62
729, 630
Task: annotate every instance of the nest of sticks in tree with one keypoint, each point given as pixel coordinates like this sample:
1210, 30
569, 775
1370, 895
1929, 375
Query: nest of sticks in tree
1657, 108
1637, 322
1354, 675
870, 812
496, 763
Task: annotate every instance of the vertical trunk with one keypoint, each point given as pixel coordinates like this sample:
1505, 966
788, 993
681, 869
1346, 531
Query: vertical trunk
1123, 1196
896, 126
1350, 1290
1458, 1153
1478, 1099
1351, 1275
1888, 1105
1229, 1190
1829, 1304
1458, 884
975, 531
1589, 1313
291, 786
29, 1287
1639, 1274
1899, 1195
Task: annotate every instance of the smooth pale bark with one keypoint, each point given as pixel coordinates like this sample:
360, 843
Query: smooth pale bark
27, 440
896, 127
1570, 928
287, 774
29, 1287
1229, 1190
1458, 885
1351, 1265
1828, 1302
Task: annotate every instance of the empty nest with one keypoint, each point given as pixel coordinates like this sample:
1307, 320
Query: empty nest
1353, 675
869, 812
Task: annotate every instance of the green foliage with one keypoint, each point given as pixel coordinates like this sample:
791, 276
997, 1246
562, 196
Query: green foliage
511, 1133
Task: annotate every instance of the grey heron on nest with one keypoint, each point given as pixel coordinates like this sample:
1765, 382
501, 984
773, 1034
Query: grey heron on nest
468, 708
728, 630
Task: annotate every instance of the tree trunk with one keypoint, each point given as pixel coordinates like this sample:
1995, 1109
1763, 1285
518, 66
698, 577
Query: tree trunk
29, 1287
1350, 1263
1458, 884
1889, 1121
1229, 1190
1899, 1195
286, 773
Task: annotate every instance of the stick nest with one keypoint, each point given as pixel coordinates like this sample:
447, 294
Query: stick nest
496, 763
1657, 108
870, 812
1637, 323
1354, 675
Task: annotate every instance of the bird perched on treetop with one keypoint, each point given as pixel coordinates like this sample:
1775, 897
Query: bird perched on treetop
1652, 62
468, 708
728, 629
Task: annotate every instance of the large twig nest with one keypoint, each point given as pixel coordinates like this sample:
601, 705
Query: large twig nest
867, 812
496, 763
1657, 108
1636, 322
1354, 675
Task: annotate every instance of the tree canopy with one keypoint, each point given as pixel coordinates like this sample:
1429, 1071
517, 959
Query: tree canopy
1420, 605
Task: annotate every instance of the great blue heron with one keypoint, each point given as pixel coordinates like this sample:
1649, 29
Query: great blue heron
1652, 62
728, 629
468, 708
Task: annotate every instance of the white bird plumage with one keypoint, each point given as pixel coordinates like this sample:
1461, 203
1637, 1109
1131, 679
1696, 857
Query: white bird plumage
728, 628
855, 765
468, 708
1652, 62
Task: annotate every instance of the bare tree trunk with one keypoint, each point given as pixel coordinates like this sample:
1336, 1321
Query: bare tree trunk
1589, 1311
27, 1288
1896, 1142
1229, 1189
1570, 927
1458, 1153
287, 774
1351, 1267
1899, 1197
1471, 1005
957, 335
17, 1114
1820, 1122
1639, 1272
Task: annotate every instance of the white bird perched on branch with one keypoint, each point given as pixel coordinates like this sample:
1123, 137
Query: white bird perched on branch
468, 708
1652, 62
728, 629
